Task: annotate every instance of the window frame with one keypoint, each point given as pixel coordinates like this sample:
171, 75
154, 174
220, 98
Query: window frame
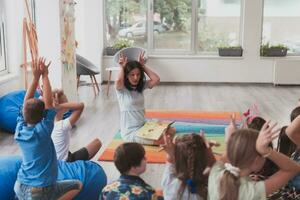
3, 45
193, 51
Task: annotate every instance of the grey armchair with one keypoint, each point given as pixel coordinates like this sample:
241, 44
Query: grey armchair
85, 67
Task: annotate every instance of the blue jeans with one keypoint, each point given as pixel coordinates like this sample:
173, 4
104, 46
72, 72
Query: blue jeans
55, 191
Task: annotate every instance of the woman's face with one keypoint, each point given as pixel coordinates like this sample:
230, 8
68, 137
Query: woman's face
134, 76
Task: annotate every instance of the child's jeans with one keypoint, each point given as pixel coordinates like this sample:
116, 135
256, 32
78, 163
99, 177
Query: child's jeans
26, 192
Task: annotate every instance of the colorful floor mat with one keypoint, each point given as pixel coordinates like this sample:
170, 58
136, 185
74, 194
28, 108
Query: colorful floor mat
213, 124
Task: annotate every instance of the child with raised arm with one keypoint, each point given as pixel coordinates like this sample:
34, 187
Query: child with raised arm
246, 152
130, 85
62, 130
37, 177
186, 175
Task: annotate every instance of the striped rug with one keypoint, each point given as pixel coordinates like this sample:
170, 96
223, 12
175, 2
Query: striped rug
213, 124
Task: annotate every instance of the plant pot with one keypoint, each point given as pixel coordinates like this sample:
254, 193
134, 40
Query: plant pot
276, 52
230, 51
110, 51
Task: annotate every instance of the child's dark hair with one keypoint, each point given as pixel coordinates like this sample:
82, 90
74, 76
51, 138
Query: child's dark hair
285, 144
295, 113
128, 155
128, 68
257, 123
33, 111
190, 162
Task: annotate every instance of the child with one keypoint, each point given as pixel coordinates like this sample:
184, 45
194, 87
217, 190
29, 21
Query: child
130, 84
184, 176
130, 160
37, 177
290, 149
246, 152
62, 131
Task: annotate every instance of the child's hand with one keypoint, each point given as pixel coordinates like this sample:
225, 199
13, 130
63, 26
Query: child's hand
266, 135
169, 147
55, 101
122, 60
142, 59
36, 71
231, 128
209, 143
43, 66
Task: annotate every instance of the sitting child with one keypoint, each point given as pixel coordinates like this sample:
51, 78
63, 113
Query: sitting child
130, 160
184, 176
37, 176
62, 131
246, 152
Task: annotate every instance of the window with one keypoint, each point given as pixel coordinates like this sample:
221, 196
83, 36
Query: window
3, 64
218, 24
281, 24
126, 18
190, 26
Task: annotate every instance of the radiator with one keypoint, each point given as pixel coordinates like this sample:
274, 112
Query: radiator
286, 72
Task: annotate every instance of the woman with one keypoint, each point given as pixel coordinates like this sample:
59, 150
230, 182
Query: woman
130, 85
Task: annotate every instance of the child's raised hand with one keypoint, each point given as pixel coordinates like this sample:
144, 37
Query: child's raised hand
169, 146
55, 100
231, 128
209, 143
36, 71
266, 135
142, 59
122, 60
43, 66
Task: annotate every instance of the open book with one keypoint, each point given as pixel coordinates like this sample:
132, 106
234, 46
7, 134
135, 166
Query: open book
154, 129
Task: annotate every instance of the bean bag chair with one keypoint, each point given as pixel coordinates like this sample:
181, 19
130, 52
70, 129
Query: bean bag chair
89, 173
10, 105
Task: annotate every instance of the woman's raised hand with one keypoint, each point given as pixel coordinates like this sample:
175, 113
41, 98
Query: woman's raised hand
122, 60
142, 59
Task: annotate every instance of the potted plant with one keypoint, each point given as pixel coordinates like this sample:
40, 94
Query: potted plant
230, 51
273, 50
119, 44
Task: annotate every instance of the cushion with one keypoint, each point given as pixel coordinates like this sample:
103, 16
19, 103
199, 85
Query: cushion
10, 105
89, 173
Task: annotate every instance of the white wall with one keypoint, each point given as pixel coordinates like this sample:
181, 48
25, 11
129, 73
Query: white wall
48, 30
89, 25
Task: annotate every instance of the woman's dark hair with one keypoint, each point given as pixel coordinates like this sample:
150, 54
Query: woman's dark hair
128, 155
190, 161
285, 144
128, 68
295, 113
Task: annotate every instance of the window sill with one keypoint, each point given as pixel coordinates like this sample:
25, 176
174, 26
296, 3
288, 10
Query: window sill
7, 77
213, 57
280, 58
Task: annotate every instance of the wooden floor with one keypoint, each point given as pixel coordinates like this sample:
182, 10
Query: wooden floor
101, 115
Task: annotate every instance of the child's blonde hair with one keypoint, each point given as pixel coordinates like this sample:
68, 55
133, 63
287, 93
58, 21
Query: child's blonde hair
59, 94
241, 153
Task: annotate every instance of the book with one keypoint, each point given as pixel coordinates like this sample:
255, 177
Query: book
154, 129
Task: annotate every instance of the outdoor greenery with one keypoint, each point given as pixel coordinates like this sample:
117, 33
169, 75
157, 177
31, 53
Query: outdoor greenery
121, 43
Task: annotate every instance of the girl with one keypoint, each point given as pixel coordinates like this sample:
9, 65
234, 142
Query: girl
246, 152
184, 176
130, 85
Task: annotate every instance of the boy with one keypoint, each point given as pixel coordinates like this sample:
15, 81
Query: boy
37, 176
62, 130
130, 160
